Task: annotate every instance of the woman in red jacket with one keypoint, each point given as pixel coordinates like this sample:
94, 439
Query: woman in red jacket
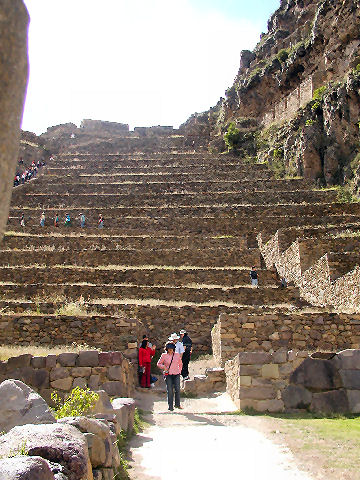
145, 355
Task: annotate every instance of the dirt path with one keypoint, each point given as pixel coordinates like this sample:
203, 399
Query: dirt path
200, 443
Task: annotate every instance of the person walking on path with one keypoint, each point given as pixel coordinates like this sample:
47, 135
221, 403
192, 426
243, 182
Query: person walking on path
67, 220
101, 221
179, 348
187, 344
82, 220
170, 362
42, 219
22, 220
254, 277
56, 220
145, 355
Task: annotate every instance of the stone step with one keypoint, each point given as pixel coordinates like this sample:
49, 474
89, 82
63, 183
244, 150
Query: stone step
158, 295
213, 381
150, 276
113, 242
256, 212
198, 258
202, 186
188, 198
218, 226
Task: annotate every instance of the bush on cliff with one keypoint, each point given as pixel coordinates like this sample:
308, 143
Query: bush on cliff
232, 138
79, 402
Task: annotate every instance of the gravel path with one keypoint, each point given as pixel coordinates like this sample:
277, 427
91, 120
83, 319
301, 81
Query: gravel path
200, 443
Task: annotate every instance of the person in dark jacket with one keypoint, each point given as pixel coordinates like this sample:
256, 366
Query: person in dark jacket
187, 343
254, 277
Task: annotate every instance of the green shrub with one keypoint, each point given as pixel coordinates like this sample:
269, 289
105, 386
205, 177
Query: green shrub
344, 195
309, 123
282, 55
232, 137
318, 97
79, 402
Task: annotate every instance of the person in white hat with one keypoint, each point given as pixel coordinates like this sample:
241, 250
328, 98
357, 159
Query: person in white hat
187, 344
179, 347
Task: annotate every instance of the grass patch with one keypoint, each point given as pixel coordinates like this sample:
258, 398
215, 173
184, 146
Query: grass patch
7, 351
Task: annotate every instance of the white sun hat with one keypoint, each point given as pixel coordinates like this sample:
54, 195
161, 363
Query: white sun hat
174, 336
182, 332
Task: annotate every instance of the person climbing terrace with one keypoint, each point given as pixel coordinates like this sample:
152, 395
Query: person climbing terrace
187, 344
42, 219
170, 362
100, 221
22, 220
67, 220
145, 355
254, 277
30, 172
82, 220
56, 220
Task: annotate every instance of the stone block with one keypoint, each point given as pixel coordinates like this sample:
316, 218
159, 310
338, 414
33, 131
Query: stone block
256, 382
107, 359
41, 379
93, 382
63, 384
258, 393
347, 360
114, 388
280, 357
245, 381
254, 358
81, 372
58, 373
251, 370
270, 371
354, 400
316, 375
67, 359
249, 325
127, 408
88, 358
115, 372
351, 379
270, 406
38, 362
79, 382
20, 362
96, 449
51, 361
335, 401
296, 396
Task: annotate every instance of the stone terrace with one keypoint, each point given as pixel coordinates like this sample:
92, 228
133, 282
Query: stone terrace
178, 243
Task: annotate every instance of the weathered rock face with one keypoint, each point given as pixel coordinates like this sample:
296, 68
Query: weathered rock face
20, 405
13, 80
60, 444
25, 468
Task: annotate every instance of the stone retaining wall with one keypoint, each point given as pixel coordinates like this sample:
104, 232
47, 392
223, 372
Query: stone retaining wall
109, 371
324, 383
321, 279
272, 332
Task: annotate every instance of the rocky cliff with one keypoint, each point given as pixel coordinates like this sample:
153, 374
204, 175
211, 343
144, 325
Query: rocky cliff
295, 100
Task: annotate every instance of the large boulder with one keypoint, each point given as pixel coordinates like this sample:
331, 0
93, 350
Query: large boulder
316, 375
20, 405
335, 401
296, 396
14, 21
58, 443
25, 468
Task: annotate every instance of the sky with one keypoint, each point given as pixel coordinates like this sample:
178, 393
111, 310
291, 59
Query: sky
141, 62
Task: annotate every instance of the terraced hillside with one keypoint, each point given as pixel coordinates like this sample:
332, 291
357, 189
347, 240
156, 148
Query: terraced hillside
179, 239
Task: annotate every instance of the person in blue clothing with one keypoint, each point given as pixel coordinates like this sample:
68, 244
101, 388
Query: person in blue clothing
67, 220
82, 220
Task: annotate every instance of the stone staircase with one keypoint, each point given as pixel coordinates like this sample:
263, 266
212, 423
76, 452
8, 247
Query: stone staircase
178, 243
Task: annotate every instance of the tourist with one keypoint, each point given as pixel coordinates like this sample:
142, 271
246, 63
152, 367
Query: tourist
145, 355
101, 221
283, 283
187, 344
56, 220
82, 220
67, 220
170, 362
179, 348
254, 277
42, 219
22, 220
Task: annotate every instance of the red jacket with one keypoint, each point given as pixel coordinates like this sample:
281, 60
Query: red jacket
145, 355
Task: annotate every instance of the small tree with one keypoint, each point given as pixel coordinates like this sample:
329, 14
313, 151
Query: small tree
232, 137
78, 403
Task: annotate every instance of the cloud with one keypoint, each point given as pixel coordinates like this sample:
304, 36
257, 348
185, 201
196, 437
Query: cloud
141, 62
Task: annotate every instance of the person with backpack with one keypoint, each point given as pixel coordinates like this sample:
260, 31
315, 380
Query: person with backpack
187, 344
